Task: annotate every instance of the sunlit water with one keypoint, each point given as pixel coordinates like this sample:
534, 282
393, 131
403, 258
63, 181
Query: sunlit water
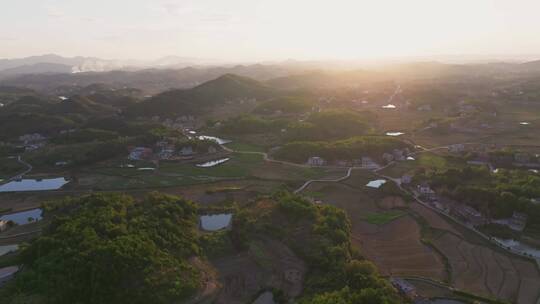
212, 163
34, 185
21, 218
215, 222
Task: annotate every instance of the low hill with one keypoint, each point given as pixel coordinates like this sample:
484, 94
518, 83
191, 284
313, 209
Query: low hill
200, 98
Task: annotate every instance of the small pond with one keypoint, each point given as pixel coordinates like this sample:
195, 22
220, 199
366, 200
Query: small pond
524, 123
21, 218
394, 133
212, 163
215, 222
220, 141
389, 106
376, 183
7, 249
410, 158
34, 185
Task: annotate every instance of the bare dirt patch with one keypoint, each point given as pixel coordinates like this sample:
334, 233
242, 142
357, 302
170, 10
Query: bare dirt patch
392, 202
268, 263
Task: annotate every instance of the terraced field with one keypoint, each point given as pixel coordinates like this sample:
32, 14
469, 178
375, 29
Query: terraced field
482, 270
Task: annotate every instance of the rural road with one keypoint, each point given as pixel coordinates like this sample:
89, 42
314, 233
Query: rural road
20, 175
337, 180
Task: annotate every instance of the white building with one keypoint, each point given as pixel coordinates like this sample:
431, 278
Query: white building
456, 148
316, 161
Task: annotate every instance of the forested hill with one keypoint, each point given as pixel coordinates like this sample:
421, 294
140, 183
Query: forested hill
216, 92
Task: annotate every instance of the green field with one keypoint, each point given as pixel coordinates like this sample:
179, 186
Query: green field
381, 218
244, 147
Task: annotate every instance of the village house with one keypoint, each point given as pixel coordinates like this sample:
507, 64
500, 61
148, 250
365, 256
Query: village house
3, 225
456, 148
61, 163
518, 221
388, 157
316, 161
470, 215
399, 154
426, 107
186, 151
522, 158
426, 191
368, 163
406, 179
31, 138
140, 153
404, 287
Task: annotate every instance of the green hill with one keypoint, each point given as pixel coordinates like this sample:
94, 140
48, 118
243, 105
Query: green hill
198, 99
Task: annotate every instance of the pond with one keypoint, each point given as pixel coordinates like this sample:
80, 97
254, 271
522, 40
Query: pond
215, 222
212, 163
34, 185
410, 158
394, 133
7, 249
389, 106
21, 218
519, 247
524, 123
376, 183
220, 141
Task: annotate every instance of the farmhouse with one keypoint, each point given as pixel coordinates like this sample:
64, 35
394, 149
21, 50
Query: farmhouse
186, 151
456, 148
316, 161
470, 215
3, 225
518, 221
522, 158
140, 153
406, 179
426, 191
398, 154
404, 287
388, 157
368, 163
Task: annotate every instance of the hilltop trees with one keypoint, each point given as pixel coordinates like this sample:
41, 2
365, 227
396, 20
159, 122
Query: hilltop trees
110, 249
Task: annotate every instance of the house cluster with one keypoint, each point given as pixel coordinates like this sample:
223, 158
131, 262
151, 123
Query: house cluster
33, 141
396, 155
166, 151
364, 162
517, 222
181, 122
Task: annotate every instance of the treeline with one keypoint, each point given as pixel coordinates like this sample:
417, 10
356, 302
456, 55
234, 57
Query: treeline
108, 248
320, 234
349, 149
319, 126
249, 124
287, 105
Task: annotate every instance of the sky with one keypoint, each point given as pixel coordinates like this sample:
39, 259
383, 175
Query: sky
260, 30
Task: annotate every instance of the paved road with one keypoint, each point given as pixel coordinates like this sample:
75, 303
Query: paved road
337, 180
20, 175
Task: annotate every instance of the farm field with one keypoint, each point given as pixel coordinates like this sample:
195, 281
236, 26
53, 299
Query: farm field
482, 269
394, 245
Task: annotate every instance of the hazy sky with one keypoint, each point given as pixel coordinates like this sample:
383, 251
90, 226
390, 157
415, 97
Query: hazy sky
268, 29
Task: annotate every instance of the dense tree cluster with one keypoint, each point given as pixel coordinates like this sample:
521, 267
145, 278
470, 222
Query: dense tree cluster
320, 234
111, 249
349, 149
330, 125
497, 194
